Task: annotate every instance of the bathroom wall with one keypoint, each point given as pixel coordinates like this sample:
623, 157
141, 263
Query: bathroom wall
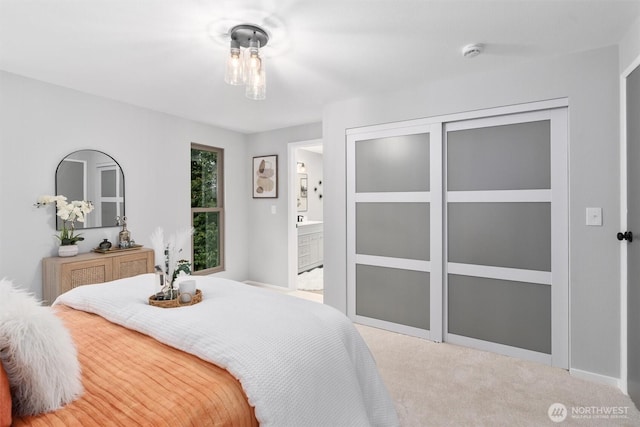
313, 166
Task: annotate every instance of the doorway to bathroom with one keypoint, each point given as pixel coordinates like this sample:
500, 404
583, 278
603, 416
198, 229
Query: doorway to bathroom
306, 224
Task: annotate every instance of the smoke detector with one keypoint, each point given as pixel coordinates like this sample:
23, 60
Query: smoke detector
472, 50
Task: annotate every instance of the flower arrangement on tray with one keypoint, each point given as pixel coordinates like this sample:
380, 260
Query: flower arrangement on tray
168, 264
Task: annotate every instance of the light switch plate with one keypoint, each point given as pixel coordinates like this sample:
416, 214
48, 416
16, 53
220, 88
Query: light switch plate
594, 216
273, 209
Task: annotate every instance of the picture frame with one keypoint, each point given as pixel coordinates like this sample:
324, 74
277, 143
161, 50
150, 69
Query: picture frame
301, 193
265, 177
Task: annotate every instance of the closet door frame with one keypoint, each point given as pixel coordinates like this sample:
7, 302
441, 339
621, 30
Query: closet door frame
435, 126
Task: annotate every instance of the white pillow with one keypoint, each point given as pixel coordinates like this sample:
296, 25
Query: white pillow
38, 354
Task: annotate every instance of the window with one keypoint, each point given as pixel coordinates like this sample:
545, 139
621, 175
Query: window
207, 208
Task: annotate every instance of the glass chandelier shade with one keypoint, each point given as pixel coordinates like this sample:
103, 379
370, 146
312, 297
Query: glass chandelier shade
247, 67
234, 73
256, 88
254, 72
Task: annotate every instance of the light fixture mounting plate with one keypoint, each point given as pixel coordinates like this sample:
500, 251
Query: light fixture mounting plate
244, 33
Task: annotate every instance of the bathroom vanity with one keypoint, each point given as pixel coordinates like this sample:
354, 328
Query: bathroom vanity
310, 246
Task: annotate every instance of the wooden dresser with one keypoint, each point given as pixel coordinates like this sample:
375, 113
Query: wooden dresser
60, 274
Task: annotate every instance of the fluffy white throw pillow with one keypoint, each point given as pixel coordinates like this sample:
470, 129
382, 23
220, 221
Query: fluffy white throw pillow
38, 354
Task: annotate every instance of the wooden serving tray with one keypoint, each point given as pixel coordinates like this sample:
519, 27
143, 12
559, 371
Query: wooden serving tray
172, 303
114, 250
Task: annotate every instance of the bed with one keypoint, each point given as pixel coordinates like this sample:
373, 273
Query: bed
244, 356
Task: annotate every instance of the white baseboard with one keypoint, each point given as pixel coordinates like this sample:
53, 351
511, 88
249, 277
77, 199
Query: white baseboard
253, 283
266, 285
596, 378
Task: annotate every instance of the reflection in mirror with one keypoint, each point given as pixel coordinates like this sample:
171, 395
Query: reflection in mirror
96, 177
302, 192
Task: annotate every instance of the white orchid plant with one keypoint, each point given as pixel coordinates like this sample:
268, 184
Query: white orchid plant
69, 213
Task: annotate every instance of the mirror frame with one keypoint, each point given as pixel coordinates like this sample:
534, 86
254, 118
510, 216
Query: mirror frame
57, 189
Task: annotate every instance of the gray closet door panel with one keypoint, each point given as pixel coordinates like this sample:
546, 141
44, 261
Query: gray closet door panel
507, 157
511, 313
399, 163
393, 295
512, 235
399, 230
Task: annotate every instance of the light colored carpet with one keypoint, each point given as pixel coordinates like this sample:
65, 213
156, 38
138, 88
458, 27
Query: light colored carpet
316, 296
440, 384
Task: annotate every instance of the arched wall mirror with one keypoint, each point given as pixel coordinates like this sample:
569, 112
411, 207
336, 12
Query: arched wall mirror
93, 176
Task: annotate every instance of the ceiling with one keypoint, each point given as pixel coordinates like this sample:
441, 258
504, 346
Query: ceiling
169, 55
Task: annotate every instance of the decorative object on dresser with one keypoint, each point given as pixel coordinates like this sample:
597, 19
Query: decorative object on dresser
69, 213
105, 245
112, 249
265, 177
62, 274
124, 237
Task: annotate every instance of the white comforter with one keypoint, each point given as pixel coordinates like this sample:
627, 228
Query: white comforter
300, 363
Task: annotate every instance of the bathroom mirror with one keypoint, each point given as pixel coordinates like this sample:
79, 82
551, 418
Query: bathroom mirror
93, 176
302, 192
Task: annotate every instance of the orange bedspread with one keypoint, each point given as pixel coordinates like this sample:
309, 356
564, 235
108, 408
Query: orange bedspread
131, 379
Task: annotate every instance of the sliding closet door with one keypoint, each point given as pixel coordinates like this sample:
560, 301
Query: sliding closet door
392, 249
457, 229
506, 235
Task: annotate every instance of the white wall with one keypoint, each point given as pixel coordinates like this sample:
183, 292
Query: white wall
41, 123
590, 81
630, 46
313, 165
267, 248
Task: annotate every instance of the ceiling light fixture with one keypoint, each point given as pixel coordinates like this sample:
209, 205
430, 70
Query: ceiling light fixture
247, 68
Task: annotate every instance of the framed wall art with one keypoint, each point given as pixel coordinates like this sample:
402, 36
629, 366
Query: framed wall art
302, 192
265, 177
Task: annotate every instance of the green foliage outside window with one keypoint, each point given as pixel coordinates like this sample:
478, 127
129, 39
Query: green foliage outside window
204, 178
206, 209
206, 244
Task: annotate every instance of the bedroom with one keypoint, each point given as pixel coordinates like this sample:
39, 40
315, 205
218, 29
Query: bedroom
56, 117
